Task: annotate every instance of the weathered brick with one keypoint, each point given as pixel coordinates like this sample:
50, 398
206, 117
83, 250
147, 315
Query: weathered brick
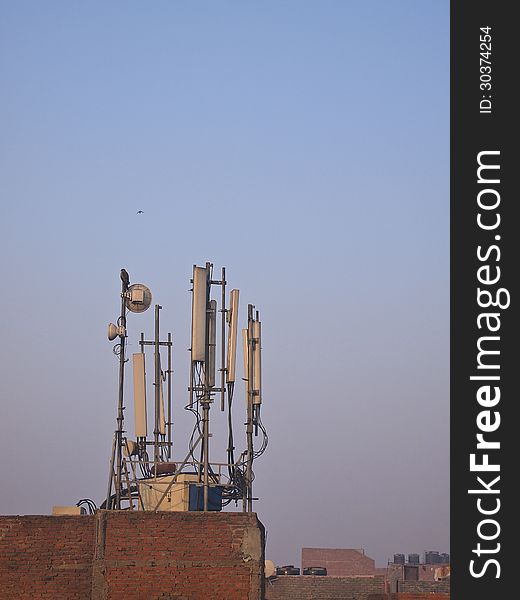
309, 587
132, 555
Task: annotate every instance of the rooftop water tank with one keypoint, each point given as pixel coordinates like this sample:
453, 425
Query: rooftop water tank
315, 571
287, 570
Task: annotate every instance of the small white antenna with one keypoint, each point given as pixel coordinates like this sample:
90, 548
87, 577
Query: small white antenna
257, 363
212, 341
162, 421
198, 314
232, 337
245, 343
139, 394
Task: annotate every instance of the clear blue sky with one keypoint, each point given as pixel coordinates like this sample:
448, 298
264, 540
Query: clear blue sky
303, 145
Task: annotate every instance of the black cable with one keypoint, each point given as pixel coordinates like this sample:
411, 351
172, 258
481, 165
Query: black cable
231, 446
265, 439
91, 505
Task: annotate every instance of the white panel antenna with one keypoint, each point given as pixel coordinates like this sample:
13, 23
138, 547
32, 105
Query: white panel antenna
232, 337
162, 421
139, 394
257, 363
212, 341
198, 314
245, 343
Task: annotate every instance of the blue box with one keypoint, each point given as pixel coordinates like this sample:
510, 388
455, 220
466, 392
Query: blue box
196, 499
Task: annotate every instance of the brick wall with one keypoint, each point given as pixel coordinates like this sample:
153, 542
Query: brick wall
410, 596
40, 557
425, 572
142, 555
118, 555
339, 562
424, 586
309, 587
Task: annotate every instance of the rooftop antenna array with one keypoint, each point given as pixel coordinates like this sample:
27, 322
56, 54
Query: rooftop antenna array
140, 481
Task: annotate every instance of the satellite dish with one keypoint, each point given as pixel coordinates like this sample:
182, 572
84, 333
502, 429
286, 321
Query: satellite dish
131, 448
113, 331
140, 298
269, 569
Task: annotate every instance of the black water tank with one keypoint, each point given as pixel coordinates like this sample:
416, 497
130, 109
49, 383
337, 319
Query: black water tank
398, 559
413, 559
431, 557
445, 558
315, 571
287, 570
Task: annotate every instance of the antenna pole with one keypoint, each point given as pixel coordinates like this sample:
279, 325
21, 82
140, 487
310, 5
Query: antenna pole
205, 451
206, 395
191, 350
142, 441
111, 474
249, 427
169, 395
120, 409
223, 342
134, 298
157, 390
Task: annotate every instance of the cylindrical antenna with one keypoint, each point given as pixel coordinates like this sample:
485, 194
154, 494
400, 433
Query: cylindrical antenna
162, 420
257, 363
232, 336
157, 384
139, 372
198, 314
245, 348
212, 343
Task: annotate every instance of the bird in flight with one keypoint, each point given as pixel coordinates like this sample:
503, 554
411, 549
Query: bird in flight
140, 212
125, 278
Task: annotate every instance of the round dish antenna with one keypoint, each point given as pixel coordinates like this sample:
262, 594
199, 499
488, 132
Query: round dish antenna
270, 569
139, 298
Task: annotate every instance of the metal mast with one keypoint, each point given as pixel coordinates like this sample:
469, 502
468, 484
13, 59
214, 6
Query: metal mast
135, 298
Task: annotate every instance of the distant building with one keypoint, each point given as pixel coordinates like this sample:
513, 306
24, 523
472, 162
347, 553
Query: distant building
352, 574
340, 562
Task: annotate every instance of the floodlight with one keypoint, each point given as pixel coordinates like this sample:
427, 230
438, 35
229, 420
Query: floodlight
113, 331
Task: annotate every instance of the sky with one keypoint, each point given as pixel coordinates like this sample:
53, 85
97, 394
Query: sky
303, 145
